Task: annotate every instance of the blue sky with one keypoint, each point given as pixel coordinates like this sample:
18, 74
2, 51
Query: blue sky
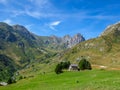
61, 17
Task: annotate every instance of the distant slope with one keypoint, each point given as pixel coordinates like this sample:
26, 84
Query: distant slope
104, 50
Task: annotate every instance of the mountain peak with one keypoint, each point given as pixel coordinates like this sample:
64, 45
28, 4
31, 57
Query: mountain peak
19, 28
5, 26
111, 29
2, 23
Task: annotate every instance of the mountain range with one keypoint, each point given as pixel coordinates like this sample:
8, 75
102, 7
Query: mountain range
20, 48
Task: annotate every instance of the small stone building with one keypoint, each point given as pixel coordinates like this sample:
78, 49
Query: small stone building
73, 67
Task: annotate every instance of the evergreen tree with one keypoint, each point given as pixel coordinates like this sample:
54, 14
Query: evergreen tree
84, 64
62, 65
58, 69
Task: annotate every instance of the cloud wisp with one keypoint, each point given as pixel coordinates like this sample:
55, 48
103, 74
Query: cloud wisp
52, 25
45, 9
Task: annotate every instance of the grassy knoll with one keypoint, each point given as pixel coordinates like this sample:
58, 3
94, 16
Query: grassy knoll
83, 80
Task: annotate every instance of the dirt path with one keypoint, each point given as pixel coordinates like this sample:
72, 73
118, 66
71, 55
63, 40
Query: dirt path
104, 67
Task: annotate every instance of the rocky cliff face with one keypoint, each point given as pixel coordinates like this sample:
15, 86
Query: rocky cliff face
71, 41
55, 42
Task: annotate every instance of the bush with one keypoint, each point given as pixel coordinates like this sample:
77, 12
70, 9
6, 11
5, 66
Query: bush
62, 65
58, 69
84, 64
21, 77
65, 65
11, 80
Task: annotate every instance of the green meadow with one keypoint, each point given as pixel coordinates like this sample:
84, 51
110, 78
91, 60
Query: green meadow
82, 80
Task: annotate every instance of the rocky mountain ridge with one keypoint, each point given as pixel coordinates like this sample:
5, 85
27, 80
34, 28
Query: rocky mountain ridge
66, 40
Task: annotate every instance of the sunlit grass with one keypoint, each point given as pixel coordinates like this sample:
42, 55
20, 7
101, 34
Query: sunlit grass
83, 80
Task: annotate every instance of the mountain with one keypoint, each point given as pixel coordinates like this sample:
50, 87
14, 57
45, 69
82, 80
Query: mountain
71, 41
62, 42
23, 50
103, 50
18, 49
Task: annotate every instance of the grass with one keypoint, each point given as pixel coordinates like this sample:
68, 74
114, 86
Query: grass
84, 80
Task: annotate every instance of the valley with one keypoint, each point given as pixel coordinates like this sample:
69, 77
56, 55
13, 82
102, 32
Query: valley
32, 59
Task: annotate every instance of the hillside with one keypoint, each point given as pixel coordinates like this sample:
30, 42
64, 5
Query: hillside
25, 50
18, 48
103, 50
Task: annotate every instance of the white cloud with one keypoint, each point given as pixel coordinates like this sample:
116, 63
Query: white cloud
33, 14
55, 23
40, 9
52, 25
8, 21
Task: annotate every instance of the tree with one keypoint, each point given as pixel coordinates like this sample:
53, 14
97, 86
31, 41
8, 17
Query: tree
65, 65
62, 65
84, 64
58, 69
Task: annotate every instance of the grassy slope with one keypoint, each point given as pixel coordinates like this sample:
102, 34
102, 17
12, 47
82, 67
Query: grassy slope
87, 80
98, 51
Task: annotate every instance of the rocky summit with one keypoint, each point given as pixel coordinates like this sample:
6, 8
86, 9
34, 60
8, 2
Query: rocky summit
71, 41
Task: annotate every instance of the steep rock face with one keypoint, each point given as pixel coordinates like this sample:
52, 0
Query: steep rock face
71, 41
77, 39
64, 42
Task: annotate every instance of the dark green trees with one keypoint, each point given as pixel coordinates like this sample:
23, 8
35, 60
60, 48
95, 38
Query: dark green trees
62, 65
84, 64
58, 69
65, 65
11, 80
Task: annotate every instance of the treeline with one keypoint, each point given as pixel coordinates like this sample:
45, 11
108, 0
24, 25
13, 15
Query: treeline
82, 65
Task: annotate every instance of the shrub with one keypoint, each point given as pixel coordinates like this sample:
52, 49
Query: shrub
62, 65
65, 65
21, 77
11, 80
84, 64
58, 69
